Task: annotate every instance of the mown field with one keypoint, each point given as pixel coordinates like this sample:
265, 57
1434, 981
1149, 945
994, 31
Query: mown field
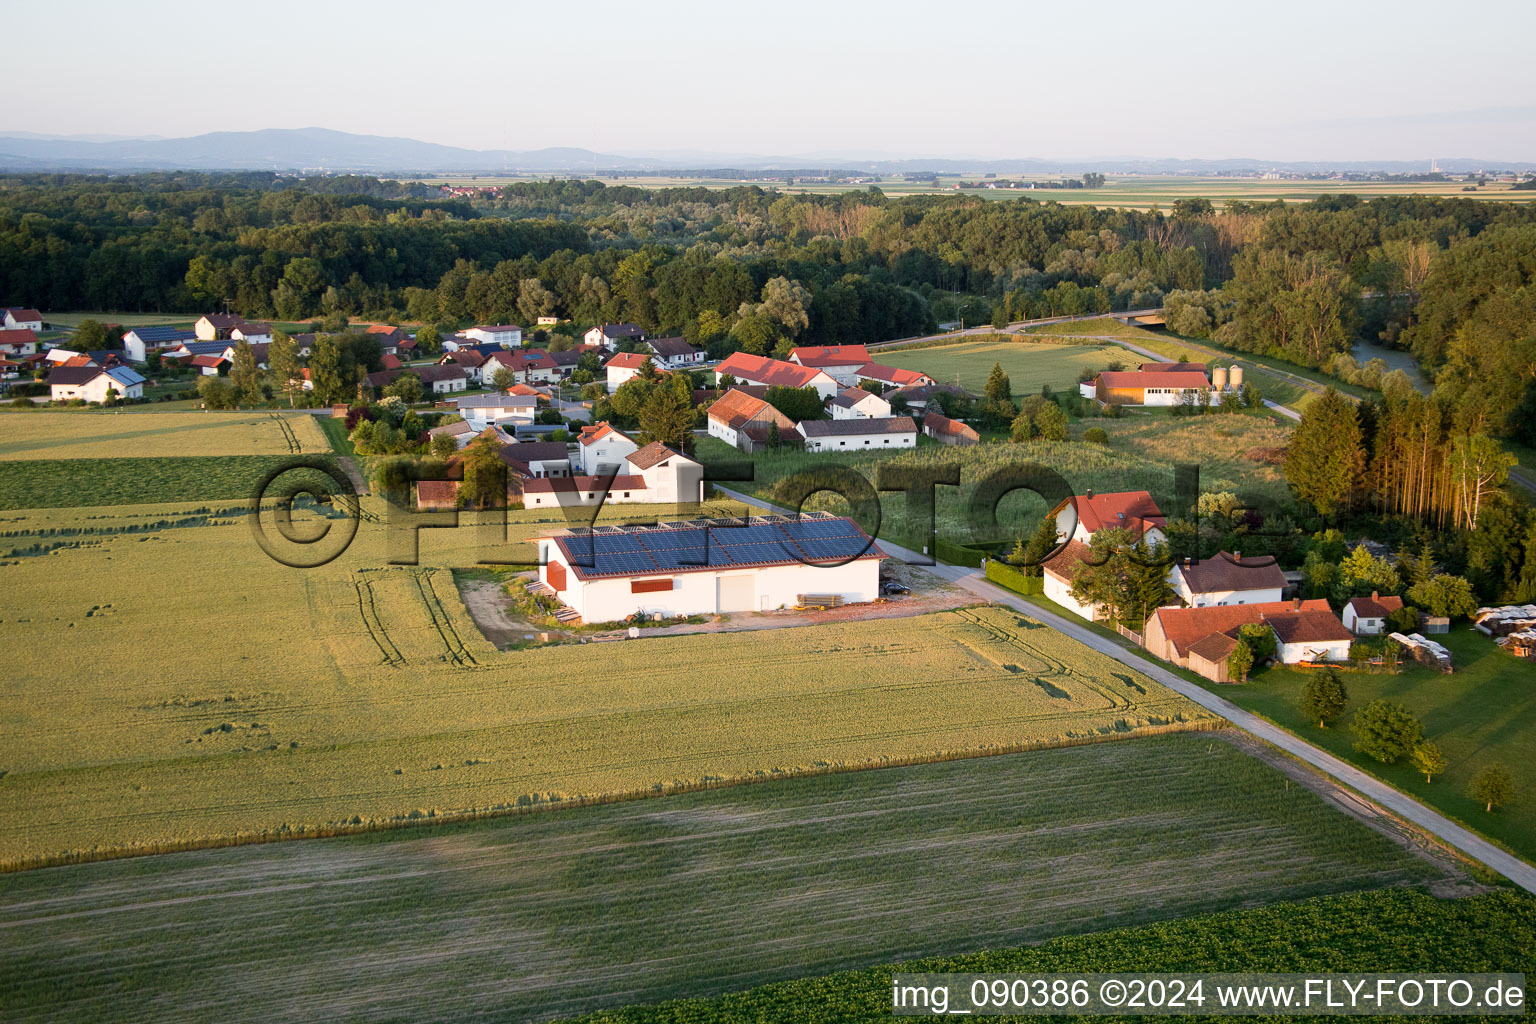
539, 915
1142, 454
1483, 712
1028, 365
100, 435
1385, 930
158, 667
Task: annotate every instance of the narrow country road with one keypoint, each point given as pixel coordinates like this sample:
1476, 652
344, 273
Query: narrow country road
1399, 803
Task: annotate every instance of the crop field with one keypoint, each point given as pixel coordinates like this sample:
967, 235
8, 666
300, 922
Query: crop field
1028, 365
86, 483
361, 692
1142, 454
100, 435
697, 893
1382, 930
1483, 712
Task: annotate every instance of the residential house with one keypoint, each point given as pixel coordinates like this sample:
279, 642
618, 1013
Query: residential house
776, 373
610, 335
531, 366
1201, 639
626, 365
304, 344
210, 365
842, 362
947, 431
698, 568
744, 421
483, 410
391, 362
600, 447
18, 341
442, 380
217, 326
654, 474
535, 460
93, 383
1228, 579
461, 432
1367, 616
470, 360
256, 334
139, 342
858, 434
500, 335
389, 338
892, 376
1081, 516
1060, 571
21, 318
856, 404
259, 350
674, 353
1148, 387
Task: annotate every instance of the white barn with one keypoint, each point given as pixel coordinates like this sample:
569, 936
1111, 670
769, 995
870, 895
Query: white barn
702, 567
505, 335
856, 403
858, 434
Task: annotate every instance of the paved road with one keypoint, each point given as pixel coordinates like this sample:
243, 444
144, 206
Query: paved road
1399, 803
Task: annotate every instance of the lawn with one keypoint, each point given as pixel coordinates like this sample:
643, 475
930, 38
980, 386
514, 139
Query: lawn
336, 435
1027, 365
107, 434
1141, 455
534, 916
1485, 711
1385, 930
157, 669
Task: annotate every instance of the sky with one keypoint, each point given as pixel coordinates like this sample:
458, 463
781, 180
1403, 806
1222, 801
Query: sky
1306, 80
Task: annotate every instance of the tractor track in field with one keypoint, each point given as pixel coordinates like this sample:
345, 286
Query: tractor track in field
453, 644
369, 612
294, 446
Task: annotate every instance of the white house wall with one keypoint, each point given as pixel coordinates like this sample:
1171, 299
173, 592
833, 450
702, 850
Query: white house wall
1336, 650
860, 442
1061, 592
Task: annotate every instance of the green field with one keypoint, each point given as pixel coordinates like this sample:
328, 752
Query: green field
539, 915
87, 483
360, 693
1386, 930
1141, 455
1028, 365
106, 434
1485, 711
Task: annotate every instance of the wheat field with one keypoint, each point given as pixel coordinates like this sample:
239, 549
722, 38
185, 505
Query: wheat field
95, 435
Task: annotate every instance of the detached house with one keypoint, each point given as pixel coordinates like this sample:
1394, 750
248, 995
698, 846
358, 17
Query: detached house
389, 338
626, 365
856, 403
776, 373
18, 341
93, 383
654, 474
674, 353
1228, 579
892, 376
140, 341
217, 326
500, 335
600, 447
1081, 516
609, 335
744, 422
842, 362
482, 410
1201, 639
1367, 616
21, 318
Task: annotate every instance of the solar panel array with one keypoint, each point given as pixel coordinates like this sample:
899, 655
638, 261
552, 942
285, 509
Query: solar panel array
717, 543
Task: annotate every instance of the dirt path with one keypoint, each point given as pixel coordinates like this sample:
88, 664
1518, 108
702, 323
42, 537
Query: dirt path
487, 605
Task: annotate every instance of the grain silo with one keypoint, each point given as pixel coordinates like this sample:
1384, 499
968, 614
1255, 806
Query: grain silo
1219, 378
1237, 378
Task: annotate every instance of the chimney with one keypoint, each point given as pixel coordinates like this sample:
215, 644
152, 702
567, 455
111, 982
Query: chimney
1187, 560
1237, 556
1374, 595
1088, 493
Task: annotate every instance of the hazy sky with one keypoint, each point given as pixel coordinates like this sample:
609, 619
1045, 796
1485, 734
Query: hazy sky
1334, 80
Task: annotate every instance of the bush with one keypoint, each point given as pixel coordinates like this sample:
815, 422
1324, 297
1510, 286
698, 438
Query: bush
1096, 435
955, 554
1005, 575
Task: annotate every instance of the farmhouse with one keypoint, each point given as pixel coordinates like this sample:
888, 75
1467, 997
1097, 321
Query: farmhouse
674, 352
21, 318
891, 376
1228, 579
609, 335
848, 435
654, 474
1367, 616
141, 341
500, 335
856, 403
1200, 639
703, 567
776, 373
1060, 571
744, 422
947, 431
1081, 516
841, 361
626, 365
18, 341
92, 383
1148, 387
483, 410
600, 447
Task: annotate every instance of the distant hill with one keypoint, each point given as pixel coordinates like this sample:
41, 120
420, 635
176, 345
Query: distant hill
321, 149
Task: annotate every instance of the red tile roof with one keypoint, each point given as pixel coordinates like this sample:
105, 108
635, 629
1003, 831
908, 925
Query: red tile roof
208, 360
1227, 572
597, 431
892, 375
1173, 367
653, 453
1069, 561
1375, 606
1308, 627
941, 424
830, 355
17, 336
773, 372
631, 361
1133, 510
1184, 626
23, 313
735, 408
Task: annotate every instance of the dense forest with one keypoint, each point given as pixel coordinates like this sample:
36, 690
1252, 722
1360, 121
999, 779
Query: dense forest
1448, 279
